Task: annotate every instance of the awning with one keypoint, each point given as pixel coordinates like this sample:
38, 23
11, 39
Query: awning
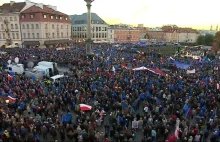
31, 43
50, 42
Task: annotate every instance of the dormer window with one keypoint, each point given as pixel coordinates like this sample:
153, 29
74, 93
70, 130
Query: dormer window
32, 16
22, 16
56, 17
45, 16
51, 17
61, 17
66, 18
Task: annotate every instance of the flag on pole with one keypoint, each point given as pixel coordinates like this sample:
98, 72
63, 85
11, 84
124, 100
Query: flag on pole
10, 77
11, 97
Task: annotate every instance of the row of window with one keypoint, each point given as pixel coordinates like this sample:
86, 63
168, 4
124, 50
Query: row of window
97, 35
12, 35
13, 26
30, 26
10, 18
29, 35
84, 28
45, 16
53, 26
92, 22
57, 35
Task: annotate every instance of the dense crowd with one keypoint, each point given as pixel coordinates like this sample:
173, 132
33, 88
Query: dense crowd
127, 105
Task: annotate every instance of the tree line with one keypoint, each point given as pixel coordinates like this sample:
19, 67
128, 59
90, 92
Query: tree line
205, 40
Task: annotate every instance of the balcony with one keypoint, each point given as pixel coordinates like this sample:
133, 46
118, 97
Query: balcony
6, 21
6, 30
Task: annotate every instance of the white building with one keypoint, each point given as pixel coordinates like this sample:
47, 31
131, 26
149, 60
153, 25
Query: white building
79, 27
10, 32
188, 35
43, 25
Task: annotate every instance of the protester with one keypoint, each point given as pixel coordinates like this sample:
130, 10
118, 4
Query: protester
103, 98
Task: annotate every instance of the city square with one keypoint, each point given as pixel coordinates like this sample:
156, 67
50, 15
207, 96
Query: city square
78, 78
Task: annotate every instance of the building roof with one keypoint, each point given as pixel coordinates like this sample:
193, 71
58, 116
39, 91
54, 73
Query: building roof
45, 9
187, 30
82, 19
12, 7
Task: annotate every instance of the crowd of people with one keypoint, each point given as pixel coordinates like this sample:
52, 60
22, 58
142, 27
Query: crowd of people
127, 105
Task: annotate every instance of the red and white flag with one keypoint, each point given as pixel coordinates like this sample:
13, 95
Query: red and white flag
10, 77
84, 107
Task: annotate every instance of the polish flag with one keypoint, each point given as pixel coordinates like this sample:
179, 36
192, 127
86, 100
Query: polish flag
84, 107
10, 77
11, 97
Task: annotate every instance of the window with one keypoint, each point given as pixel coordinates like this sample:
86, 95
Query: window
47, 35
23, 26
61, 17
16, 26
17, 35
51, 17
99, 28
3, 34
27, 26
2, 26
38, 35
52, 26
22, 16
45, 26
45, 16
33, 35
37, 26
29, 36
58, 35
32, 16
32, 26
61, 26
67, 34
53, 35
0, 36
56, 17
15, 18
13, 35
12, 26
11, 19
66, 18
24, 35
62, 35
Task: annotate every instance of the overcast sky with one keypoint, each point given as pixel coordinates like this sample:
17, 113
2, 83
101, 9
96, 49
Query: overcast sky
185, 13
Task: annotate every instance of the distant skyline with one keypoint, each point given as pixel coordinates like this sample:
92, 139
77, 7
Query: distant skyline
199, 14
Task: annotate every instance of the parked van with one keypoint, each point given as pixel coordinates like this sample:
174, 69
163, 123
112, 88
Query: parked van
56, 77
46, 71
16, 68
51, 65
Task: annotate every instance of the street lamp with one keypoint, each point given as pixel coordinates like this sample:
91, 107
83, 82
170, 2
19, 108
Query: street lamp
89, 34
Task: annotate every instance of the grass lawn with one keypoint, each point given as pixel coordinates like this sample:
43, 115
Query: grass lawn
168, 50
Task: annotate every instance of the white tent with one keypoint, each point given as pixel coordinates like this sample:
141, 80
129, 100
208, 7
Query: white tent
139, 69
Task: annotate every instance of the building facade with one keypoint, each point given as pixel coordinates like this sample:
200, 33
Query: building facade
171, 33
123, 35
10, 32
79, 28
156, 34
43, 25
188, 35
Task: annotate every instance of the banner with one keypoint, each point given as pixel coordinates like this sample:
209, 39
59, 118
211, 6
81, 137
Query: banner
191, 71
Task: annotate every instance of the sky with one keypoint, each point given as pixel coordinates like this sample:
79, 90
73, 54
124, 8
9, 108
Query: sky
199, 14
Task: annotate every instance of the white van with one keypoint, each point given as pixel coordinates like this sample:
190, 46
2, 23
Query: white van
46, 71
56, 77
16, 68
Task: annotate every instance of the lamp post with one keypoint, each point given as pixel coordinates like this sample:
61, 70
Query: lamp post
89, 34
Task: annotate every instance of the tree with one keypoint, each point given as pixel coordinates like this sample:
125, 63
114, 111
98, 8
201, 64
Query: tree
200, 40
216, 43
208, 39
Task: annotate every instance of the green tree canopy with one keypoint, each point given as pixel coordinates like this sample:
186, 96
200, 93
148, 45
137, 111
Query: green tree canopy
200, 40
208, 40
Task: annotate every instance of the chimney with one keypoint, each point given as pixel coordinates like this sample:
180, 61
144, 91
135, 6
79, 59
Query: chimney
11, 3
